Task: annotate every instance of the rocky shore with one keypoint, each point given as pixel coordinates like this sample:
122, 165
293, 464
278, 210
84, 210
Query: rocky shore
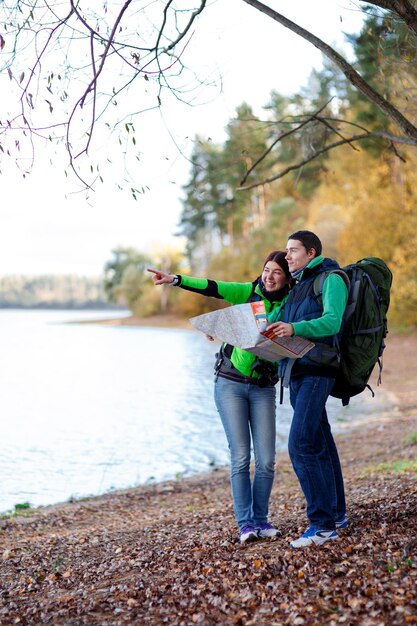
168, 553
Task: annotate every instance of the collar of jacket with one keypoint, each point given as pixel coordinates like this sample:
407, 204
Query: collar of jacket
272, 296
311, 266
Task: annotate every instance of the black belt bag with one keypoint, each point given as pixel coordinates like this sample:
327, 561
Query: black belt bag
237, 378
267, 372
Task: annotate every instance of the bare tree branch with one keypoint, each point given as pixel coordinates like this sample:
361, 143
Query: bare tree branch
181, 36
317, 153
326, 123
274, 143
351, 74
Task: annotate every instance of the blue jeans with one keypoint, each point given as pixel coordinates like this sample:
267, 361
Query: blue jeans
313, 451
248, 410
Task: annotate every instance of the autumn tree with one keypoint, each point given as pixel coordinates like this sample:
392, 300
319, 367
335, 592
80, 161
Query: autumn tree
205, 203
161, 300
124, 277
212, 208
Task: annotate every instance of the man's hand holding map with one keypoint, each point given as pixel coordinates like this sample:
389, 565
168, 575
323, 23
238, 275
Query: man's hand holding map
244, 326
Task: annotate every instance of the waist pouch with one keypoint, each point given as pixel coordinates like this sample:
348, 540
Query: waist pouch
237, 377
267, 374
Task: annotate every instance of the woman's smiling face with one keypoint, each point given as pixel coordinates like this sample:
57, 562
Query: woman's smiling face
273, 276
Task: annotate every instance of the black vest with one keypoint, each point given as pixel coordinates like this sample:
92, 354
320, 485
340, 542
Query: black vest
303, 305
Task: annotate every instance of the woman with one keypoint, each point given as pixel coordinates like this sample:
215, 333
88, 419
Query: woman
245, 394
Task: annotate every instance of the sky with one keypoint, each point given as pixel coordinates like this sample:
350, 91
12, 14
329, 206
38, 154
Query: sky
46, 228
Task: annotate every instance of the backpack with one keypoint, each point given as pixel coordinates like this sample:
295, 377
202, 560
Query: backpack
360, 341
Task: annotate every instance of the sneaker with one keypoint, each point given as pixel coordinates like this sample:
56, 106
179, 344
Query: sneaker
267, 530
314, 535
342, 523
248, 533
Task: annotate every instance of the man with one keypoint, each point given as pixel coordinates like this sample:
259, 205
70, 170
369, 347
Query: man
310, 379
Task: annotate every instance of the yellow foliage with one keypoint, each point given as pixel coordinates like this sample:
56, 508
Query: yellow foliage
404, 293
190, 304
366, 207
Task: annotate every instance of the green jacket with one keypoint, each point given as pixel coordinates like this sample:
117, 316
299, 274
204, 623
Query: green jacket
334, 303
234, 293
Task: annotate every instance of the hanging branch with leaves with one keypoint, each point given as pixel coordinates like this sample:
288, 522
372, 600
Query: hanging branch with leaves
82, 61
121, 44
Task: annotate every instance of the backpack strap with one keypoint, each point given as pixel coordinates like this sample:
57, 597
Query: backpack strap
287, 374
351, 302
378, 302
353, 292
319, 281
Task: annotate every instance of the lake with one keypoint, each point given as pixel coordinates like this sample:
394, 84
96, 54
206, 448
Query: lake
89, 408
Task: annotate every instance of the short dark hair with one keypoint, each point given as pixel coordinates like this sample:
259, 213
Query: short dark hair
308, 240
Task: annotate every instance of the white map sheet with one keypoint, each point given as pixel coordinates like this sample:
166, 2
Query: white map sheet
244, 326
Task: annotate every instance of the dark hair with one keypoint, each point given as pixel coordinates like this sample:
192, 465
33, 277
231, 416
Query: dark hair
279, 257
308, 240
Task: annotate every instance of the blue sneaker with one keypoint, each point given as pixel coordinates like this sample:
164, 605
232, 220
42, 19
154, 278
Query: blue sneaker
267, 530
342, 523
314, 536
248, 533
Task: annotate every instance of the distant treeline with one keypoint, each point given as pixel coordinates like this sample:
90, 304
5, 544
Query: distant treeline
49, 291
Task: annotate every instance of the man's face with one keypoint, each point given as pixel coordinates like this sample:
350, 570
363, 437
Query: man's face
297, 256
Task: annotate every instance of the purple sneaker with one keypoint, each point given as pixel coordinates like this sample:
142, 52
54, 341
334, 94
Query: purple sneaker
267, 530
248, 533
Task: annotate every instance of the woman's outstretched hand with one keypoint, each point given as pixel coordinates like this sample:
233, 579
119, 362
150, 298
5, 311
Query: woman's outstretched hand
161, 278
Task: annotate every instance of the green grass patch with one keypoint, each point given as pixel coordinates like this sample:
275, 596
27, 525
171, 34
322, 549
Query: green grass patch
56, 564
408, 466
393, 566
22, 508
412, 438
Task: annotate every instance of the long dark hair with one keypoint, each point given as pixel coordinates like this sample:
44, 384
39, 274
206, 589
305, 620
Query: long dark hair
277, 256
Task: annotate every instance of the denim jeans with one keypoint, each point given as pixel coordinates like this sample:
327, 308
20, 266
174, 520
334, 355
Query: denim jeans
313, 451
248, 410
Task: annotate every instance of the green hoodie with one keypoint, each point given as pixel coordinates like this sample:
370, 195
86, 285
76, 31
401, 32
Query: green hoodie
234, 293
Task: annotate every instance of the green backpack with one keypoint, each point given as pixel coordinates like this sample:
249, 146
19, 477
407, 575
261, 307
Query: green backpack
364, 327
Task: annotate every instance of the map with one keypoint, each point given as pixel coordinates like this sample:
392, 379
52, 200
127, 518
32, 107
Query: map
244, 326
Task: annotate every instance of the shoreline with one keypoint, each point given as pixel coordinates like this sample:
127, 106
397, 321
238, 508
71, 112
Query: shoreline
154, 321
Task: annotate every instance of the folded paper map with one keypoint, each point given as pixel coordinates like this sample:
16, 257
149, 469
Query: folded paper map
244, 326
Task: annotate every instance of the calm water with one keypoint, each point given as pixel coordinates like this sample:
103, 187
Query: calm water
87, 408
